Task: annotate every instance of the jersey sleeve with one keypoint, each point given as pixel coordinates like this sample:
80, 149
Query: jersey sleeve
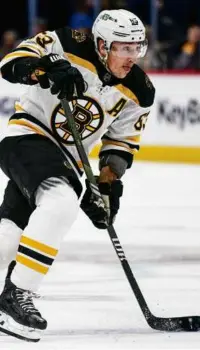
37, 46
124, 134
32, 48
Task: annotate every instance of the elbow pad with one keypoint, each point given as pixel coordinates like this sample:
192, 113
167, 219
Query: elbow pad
116, 163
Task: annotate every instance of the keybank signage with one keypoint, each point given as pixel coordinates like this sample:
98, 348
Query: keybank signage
9, 93
7, 105
175, 116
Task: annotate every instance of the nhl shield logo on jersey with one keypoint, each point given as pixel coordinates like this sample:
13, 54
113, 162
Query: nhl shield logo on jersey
87, 113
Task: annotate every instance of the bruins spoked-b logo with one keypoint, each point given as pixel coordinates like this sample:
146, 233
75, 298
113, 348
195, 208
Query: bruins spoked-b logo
88, 116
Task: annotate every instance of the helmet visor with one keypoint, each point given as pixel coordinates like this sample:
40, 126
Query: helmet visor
129, 50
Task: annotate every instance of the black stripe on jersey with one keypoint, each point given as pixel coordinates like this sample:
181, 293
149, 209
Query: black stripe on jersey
126, 143
44, 127
35, 255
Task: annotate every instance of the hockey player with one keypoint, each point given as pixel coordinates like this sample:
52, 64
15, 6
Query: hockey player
110, 97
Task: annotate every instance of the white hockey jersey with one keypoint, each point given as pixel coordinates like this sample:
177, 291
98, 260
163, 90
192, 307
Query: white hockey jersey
113, 111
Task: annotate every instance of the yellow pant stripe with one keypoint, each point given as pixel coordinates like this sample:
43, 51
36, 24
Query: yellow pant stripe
31, 264
39, 246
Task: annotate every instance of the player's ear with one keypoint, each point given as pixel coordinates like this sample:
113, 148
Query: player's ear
101, 47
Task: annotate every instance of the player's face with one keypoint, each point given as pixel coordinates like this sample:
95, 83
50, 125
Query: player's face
122, 57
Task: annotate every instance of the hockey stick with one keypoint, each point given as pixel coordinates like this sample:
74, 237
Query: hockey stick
185, 323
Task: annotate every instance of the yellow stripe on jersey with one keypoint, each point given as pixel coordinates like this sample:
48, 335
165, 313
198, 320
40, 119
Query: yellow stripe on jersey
135, 138
81, 62
120, 144
25, 123
127, 92
32, 264
33, 47
17, 54
39, 246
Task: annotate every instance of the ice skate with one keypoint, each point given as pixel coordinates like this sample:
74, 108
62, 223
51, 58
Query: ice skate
18, 315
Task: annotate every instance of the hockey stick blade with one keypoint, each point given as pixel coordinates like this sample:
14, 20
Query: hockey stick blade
174, 324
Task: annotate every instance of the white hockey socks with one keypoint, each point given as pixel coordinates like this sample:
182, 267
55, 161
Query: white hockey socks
9, 241
57, 209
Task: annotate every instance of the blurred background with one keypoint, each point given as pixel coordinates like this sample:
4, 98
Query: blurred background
173, 26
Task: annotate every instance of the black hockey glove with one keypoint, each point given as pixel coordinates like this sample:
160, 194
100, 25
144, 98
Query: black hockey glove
111, 193
57, 73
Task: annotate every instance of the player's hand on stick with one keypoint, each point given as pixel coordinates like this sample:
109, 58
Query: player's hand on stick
104, 215
56, 73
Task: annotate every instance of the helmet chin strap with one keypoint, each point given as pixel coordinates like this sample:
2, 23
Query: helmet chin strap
104, 59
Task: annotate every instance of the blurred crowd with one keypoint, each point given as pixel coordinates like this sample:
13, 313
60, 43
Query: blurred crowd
173, 26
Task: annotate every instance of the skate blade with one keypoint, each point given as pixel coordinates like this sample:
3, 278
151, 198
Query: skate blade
13, 328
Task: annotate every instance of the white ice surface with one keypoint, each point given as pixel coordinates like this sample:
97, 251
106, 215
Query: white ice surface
86, 297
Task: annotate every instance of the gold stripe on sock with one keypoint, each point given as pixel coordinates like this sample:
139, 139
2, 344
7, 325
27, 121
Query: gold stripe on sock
31, 264
39, 246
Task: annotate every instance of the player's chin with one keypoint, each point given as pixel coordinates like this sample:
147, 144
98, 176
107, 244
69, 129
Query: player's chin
121, 73
125, 71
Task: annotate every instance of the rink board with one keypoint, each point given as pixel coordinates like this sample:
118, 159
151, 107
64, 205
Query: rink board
163, 154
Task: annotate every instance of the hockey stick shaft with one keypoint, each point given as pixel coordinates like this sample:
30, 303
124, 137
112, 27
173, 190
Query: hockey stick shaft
111, 231
182, 323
